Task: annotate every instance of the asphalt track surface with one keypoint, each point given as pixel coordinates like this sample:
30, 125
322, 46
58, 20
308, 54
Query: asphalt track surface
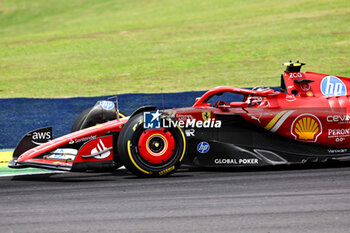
264, 200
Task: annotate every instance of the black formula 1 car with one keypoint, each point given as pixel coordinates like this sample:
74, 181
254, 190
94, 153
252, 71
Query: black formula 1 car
306, 121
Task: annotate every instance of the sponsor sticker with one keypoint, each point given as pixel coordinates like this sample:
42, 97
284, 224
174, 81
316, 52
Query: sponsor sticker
332, 86
339, 134
306, 127
62, 154
336, 151
151, 120
341, 118
101, 151
309, 93
236, 161
107, 105
182, 117
100, 148
295, 75
203, 147
189, 132
206, 116
257, 118
72, 141
290, 98
41, 137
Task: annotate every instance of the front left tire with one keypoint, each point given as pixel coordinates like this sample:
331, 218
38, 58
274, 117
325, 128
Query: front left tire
151, 152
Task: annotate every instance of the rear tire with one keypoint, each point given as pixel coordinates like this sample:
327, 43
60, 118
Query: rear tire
151, 152
80, 122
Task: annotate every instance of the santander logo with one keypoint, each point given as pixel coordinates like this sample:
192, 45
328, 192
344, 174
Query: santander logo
101, 151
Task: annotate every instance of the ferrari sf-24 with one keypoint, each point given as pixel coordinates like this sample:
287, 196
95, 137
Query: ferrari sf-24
305, 121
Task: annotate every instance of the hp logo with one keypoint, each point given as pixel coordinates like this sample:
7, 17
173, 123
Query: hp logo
108, 105
333, 86
203, 147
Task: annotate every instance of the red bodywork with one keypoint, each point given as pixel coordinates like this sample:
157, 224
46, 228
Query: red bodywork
87, 135
300, 111
308, 116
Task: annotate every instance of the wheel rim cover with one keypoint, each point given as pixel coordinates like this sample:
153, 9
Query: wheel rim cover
156, 146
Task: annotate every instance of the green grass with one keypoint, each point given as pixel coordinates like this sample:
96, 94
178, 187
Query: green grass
51, 48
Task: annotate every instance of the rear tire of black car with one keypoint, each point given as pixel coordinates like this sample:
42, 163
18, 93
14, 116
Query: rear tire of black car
151, 152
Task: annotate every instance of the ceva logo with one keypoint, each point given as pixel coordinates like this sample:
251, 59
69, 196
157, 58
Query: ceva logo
332, 86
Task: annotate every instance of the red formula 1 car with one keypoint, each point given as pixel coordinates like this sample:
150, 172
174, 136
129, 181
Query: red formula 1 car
306, 121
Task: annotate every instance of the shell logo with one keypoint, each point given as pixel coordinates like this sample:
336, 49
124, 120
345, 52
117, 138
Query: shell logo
306, 127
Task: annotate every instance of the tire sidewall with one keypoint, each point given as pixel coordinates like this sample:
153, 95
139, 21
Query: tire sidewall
79, 120
133, 161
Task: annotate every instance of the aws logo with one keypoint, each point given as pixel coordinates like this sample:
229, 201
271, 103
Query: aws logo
41, 137
306, 127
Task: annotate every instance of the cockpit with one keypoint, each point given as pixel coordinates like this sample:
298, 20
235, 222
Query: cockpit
229, 97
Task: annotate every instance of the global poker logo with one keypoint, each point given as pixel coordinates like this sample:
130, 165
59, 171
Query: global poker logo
332, 86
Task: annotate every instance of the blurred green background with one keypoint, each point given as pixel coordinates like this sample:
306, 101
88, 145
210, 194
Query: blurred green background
65, 48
